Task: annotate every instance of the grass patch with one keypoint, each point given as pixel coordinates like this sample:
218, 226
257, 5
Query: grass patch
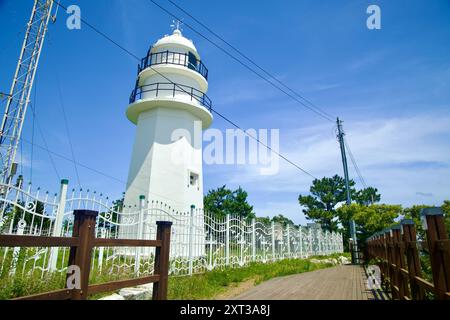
210, 284
197, 287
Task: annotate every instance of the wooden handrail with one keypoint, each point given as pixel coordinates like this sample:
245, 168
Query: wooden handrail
63, 294
100, 242
37, 241
397, 251
114, 285
81, 244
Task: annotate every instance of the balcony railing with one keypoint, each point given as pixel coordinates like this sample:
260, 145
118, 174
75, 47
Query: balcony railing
167, 89
169, 57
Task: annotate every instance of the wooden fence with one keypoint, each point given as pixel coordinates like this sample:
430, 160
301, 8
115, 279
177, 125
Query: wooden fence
81, 244
398, 252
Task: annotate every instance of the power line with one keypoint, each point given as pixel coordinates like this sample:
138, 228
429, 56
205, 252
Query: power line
165, 77
355, 165
51, 152
61, 103
45, 142
263, 144
327, 115
311, 108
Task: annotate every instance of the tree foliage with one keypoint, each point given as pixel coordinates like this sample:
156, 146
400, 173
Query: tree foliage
369, 219
446, 209
414, 214
367, 196
326, 193
16, 213
264, 220
284, 221
223, 201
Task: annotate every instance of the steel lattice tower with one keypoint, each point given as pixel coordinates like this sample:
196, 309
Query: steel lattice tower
19, 96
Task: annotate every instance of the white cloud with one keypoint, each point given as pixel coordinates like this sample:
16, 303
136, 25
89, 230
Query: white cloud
403, 157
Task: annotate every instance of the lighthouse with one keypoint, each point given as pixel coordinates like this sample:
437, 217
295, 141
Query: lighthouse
170, 108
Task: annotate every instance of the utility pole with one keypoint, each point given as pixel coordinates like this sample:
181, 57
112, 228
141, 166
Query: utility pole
347, 188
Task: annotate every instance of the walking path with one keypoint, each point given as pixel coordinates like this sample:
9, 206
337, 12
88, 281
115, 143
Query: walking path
345, 282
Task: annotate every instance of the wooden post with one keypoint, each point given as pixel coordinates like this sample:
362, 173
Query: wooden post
384, 255
433, 220
162, 260
399, 262
390, 262
84, 230
412, 258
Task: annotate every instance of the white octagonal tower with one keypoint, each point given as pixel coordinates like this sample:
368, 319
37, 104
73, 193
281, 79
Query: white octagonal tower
170, 109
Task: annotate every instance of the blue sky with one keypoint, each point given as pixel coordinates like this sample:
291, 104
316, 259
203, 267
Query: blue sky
390, 86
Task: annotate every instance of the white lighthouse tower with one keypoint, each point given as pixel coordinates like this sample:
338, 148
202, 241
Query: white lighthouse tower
170, 108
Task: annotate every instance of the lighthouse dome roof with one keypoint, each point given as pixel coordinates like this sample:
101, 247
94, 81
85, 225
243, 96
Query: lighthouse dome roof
175, 41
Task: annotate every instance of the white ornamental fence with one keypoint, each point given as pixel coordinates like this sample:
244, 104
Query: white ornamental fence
199, 241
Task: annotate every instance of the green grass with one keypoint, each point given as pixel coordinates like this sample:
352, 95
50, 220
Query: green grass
201, 286
210, 284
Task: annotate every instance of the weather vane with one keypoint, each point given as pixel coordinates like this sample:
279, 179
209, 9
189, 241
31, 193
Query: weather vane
176, 25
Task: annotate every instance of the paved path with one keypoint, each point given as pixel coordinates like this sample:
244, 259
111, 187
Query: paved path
345, 282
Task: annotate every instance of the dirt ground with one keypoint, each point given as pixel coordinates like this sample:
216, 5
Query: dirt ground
235, 290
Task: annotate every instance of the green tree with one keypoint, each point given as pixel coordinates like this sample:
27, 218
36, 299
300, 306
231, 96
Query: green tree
216, 202
325, 194
446, 209
264, 220
370, 219
414, 214
17, 213
284, 221
367, 196
110, 218
223, 201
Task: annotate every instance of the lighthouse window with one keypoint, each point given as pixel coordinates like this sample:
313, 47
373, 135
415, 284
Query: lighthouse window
193, 179
192, 61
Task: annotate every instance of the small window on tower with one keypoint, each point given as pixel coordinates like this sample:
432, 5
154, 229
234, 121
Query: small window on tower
193, 179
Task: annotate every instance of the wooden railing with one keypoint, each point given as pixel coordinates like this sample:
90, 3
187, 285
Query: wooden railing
398, 253
81, 244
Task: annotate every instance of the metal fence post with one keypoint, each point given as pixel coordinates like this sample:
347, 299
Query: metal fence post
433, 223
327, 242
16, 251
162, 255
140, 233
300, 236
319, 234
84, 230
191, 235
273, 241
101, 250
227, 240
57, 226
310, 242
288, 236
254, 239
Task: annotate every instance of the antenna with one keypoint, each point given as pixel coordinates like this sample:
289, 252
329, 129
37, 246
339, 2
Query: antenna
19, 96
176, 25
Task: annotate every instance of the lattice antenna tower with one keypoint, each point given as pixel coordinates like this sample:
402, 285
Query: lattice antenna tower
19, 96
